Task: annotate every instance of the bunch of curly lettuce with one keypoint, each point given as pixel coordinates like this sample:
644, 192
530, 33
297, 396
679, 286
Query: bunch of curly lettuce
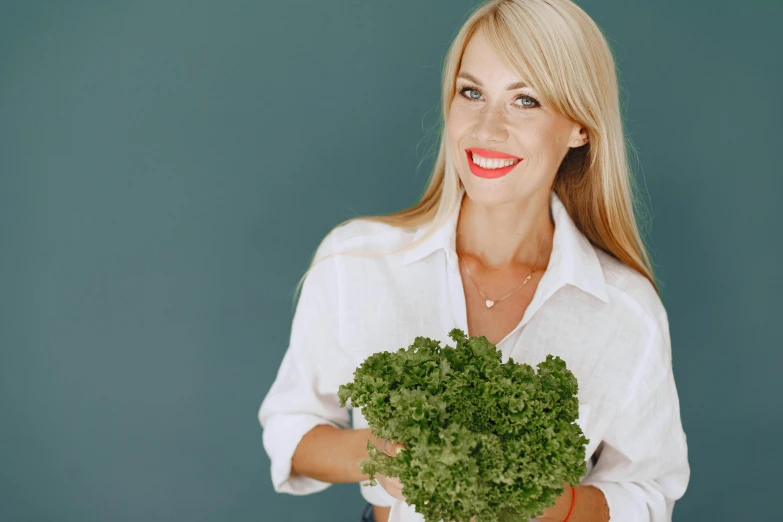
484, 438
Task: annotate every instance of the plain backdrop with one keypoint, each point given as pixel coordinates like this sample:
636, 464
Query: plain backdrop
168, 167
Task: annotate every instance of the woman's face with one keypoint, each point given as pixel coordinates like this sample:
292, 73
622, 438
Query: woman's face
485, 114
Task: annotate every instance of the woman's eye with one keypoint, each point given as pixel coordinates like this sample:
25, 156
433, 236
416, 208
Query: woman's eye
467, 89
528, 102
530, 99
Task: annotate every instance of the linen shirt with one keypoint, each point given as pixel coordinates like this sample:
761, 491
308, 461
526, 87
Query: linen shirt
603, 318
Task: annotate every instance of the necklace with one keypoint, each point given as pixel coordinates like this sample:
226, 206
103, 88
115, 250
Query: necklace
489, 302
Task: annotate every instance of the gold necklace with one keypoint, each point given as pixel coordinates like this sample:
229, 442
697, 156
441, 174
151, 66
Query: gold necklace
489, 302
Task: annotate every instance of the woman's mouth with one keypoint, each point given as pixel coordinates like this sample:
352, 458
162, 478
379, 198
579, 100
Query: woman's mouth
492, 165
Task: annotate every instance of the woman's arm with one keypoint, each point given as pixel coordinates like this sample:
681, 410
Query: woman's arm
303, 396
591, 507
332, 454
642, 466
307, 433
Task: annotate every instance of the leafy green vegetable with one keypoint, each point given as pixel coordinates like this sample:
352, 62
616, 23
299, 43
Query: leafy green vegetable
484, 438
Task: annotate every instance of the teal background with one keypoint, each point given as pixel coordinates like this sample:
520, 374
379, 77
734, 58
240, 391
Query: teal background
167, 168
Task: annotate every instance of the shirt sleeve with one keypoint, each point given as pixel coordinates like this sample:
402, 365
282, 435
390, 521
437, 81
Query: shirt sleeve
304, 393
642, 467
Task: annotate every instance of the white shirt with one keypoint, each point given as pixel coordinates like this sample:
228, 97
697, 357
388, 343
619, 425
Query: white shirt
599, 315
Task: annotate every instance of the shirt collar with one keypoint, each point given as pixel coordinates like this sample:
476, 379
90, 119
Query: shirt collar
573, 259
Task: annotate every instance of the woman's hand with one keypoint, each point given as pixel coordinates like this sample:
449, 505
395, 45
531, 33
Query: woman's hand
392, 485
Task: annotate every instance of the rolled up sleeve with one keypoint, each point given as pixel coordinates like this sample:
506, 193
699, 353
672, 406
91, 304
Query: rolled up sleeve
304, 393
642, 465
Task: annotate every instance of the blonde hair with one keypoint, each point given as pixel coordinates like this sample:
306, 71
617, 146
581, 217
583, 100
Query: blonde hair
561, 52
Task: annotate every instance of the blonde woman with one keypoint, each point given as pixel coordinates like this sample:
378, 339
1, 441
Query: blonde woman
526, 234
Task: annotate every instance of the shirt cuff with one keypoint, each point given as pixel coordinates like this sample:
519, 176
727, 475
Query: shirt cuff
282, 435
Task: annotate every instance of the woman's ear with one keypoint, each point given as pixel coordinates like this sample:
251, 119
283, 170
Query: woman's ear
578, 137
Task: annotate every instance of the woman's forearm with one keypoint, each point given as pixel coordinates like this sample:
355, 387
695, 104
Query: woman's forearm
332, 454
590, 506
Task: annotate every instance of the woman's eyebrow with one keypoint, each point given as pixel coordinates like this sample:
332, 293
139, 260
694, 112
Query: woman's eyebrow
468, 76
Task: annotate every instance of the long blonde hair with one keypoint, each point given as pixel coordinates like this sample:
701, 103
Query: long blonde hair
561, 52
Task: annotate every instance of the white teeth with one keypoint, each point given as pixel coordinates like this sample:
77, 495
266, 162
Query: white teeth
495, 163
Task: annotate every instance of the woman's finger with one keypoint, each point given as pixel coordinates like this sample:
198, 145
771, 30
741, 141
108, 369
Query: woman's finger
393, 449
393, 488
397, 448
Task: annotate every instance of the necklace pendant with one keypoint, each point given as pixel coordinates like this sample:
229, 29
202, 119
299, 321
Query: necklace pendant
490, 303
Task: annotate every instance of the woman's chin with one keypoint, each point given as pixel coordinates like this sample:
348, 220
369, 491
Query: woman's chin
489, 191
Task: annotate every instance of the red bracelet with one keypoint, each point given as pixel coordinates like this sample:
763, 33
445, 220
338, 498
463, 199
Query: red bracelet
573, 501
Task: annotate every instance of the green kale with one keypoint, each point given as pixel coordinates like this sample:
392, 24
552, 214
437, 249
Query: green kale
484, 438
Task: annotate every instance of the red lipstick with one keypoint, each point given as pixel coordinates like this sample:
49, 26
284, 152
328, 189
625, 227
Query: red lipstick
490, 154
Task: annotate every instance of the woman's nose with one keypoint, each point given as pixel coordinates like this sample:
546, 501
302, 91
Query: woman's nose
490, 125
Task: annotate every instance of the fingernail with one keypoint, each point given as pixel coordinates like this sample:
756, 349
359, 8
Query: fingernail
397, 452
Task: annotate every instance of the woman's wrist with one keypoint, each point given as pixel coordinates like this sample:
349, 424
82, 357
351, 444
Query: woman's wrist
562, 507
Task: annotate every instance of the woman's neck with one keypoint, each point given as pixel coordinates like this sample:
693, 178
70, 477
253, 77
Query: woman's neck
516, 234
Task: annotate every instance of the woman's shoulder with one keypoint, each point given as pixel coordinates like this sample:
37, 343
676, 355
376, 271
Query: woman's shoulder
639, 309
630, 289
362, 234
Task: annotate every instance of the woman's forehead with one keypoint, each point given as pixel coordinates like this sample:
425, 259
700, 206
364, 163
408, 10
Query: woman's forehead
482, 64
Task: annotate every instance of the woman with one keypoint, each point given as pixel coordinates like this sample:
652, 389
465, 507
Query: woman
526, 234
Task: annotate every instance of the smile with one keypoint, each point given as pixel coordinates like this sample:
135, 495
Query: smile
490, 164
